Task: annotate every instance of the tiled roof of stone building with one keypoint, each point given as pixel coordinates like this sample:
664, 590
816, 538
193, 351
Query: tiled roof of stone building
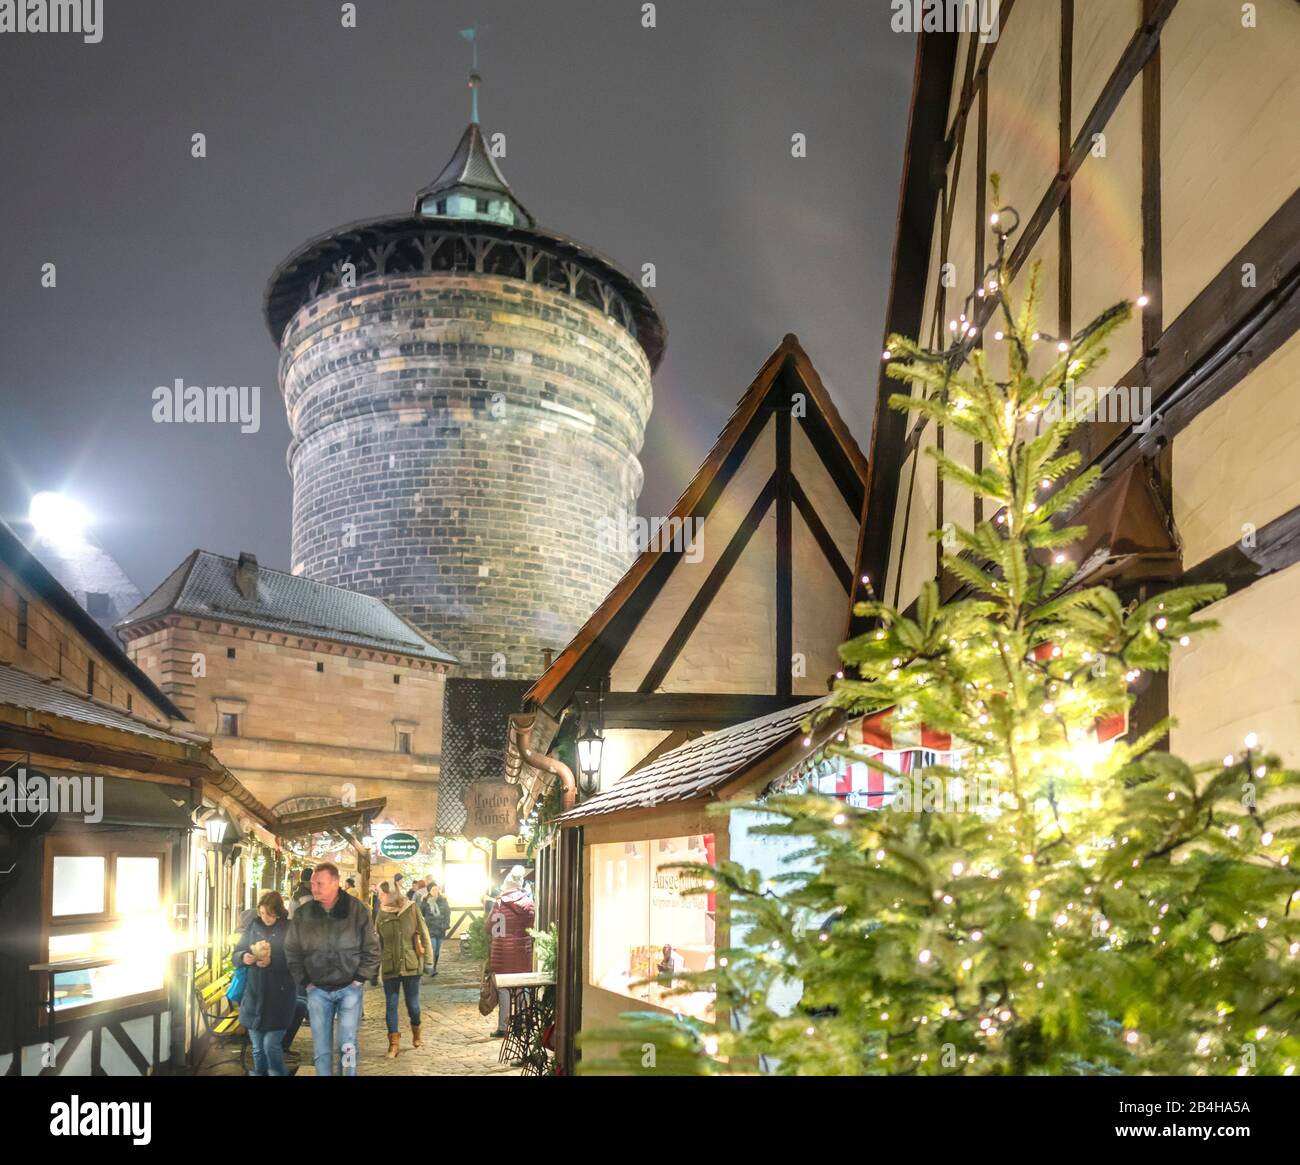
20, 690
205, 586
699, 768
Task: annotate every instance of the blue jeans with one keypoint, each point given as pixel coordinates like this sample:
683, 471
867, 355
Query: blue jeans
268, 1052
436, 939
333, 1044
409, 985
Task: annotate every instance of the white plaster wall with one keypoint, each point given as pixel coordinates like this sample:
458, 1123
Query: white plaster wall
1230, 134
733, 647
1243, 677
1106, 236
1101, 33
686, 579
1024, 104
1236, 462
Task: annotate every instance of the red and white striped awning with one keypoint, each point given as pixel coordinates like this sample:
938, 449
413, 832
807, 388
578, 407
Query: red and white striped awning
874, 734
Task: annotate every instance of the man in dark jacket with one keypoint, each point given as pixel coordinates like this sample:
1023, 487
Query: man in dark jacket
332, 949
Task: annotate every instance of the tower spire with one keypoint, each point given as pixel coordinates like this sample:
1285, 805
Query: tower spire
471, 35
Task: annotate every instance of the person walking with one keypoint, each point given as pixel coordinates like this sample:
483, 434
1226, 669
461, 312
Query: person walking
270, 994
437, 917
404, 947
511, 951
332, 949
301, 892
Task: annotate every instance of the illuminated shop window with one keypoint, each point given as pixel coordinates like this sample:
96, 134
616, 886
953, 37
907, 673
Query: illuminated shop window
644, 927
106, 908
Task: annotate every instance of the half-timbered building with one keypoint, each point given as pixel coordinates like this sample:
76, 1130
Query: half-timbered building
128, 851
1150, 147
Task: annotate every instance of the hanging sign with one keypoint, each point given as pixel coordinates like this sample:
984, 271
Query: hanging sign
491, 809
399, 846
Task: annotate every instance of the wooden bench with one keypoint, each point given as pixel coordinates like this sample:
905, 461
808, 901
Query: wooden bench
220, 1016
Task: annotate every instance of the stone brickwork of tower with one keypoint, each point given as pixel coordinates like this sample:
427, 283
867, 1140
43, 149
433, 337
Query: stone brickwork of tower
467, 396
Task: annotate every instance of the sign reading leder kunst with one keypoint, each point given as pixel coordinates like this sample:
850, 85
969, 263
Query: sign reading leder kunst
491, 809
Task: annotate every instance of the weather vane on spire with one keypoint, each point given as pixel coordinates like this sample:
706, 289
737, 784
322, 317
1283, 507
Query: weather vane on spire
471, 35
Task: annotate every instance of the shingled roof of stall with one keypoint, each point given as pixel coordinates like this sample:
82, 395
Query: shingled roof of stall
700, 769
204, 585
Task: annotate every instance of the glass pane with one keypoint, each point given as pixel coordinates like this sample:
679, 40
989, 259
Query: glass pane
646, 929
142, 948
136, 888
620, 940
78, 885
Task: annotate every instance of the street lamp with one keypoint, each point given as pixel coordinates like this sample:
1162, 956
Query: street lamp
216, 827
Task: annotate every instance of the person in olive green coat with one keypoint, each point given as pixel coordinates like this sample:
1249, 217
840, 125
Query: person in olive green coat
404, 948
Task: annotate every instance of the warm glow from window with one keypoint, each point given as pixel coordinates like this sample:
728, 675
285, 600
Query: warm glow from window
645, 927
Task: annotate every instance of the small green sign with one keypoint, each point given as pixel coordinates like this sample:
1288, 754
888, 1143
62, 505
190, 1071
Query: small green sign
399, 846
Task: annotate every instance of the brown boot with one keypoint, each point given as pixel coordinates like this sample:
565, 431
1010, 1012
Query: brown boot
415, 1035
394, 1044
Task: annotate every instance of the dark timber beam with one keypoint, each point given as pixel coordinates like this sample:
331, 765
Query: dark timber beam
918, 196
784, 648
1276, 547
829, 550
686, 710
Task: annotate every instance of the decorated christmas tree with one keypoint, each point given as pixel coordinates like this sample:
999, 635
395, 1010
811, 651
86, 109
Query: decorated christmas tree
1046, 902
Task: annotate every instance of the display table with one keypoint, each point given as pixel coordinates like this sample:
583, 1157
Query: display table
532, 1007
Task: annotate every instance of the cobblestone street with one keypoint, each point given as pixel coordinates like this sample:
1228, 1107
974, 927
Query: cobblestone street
457, 1040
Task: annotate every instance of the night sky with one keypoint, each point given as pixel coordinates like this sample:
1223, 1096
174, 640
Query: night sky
668, 145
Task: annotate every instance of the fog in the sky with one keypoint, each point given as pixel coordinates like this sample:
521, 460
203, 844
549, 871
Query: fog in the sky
669, 145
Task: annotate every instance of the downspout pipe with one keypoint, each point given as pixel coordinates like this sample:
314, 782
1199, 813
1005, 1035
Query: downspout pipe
521, 727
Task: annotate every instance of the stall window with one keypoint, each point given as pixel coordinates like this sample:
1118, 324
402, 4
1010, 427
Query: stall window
106, 903
645, 926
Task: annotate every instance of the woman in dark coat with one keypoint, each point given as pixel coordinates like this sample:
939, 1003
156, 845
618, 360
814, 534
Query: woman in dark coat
511, 952
270, 993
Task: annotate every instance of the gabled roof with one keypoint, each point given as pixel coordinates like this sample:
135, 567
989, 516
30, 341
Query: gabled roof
48, 589
599, 640
204, 586
700, 768
472, 169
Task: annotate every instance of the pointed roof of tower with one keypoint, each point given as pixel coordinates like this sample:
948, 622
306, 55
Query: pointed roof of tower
473, 175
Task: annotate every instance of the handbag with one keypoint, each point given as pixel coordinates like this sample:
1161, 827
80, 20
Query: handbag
487, 993
235, 991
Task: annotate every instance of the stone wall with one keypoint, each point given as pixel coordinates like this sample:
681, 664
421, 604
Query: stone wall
461, 442
303, 731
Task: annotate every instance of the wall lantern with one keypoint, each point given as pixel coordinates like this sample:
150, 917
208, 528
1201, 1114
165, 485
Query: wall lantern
590, 746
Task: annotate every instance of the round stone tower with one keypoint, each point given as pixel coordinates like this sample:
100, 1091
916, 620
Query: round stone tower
467, 394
